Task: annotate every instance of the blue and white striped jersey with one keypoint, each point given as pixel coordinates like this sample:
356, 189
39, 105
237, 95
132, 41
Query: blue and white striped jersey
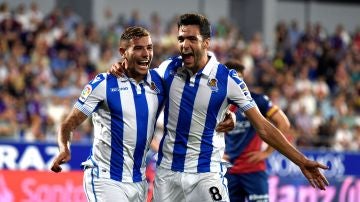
196, 104
124, 114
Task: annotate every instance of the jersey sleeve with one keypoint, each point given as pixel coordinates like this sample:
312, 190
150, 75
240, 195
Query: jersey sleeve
169, 65
92, 95
238, 93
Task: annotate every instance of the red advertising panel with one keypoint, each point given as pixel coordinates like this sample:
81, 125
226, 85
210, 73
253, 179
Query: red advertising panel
41, 186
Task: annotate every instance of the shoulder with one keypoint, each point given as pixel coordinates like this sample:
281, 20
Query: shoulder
154, 75
175, 61
93, 84
97, 80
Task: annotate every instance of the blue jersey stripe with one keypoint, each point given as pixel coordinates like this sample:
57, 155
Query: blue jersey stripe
216, 100
142, 116
184, 122
117, 130
166, 115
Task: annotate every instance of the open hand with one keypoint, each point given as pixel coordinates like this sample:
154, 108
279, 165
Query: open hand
311, 171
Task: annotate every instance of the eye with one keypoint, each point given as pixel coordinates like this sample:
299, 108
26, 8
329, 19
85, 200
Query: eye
180, 39
193, 39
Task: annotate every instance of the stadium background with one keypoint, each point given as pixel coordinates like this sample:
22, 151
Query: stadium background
303, 54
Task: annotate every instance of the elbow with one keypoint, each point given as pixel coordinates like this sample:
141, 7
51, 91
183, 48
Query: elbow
263, 134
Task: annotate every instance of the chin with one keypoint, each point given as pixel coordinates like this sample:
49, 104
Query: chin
188, 66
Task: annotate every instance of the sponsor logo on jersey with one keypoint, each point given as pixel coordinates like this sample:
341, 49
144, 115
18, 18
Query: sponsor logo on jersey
85, 93
118, 89
212, 83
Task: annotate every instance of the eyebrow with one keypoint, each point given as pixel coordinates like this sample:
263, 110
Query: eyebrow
187, 37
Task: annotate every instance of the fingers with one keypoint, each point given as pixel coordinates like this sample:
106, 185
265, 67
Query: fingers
318, 180
56, 165
312, 182
227, 124
221, 127
322, 166
323, 178
56, 168
252, 159
60, 159
117, 69
320, 184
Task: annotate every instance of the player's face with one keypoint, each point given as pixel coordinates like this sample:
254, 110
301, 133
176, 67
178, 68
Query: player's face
192, 46
139, 54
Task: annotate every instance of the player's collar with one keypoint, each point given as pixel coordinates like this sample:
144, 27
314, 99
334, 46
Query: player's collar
210, 64
146, 80
208, 67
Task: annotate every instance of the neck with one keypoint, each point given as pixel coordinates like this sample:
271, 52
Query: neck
201, 65
136, 77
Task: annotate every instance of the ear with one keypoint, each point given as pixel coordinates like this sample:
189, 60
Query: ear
206, 43
122, 51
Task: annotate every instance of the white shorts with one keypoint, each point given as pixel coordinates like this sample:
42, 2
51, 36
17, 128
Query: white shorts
104, 189
173, 186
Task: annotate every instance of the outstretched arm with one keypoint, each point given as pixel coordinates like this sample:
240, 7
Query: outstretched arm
73, 120
280, 120
271, 135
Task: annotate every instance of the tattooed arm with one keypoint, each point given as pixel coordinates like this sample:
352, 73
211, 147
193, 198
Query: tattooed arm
73, 120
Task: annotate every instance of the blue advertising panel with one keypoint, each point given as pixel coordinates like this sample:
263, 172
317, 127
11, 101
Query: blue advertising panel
39, 156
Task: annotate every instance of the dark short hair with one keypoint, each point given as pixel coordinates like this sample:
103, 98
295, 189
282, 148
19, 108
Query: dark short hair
134, 32
196, 19
236, 65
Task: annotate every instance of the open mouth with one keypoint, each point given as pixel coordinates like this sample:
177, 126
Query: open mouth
187, 56
144, 63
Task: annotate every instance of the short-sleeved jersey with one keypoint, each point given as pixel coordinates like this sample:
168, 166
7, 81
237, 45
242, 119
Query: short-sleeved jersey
124, 113
196, 104
244, 139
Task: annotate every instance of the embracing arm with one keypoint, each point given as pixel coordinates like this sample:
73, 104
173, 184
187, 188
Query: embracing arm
73, 120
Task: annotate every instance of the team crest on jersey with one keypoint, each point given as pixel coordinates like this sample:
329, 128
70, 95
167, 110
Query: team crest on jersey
154, 87
85, 93
212, 83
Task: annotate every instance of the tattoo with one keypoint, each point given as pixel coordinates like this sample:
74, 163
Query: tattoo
72, 121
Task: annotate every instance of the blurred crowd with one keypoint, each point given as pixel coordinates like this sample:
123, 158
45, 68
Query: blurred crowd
47, 58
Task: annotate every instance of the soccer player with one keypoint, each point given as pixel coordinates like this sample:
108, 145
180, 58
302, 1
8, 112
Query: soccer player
199, 90
247, 178
124, 111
